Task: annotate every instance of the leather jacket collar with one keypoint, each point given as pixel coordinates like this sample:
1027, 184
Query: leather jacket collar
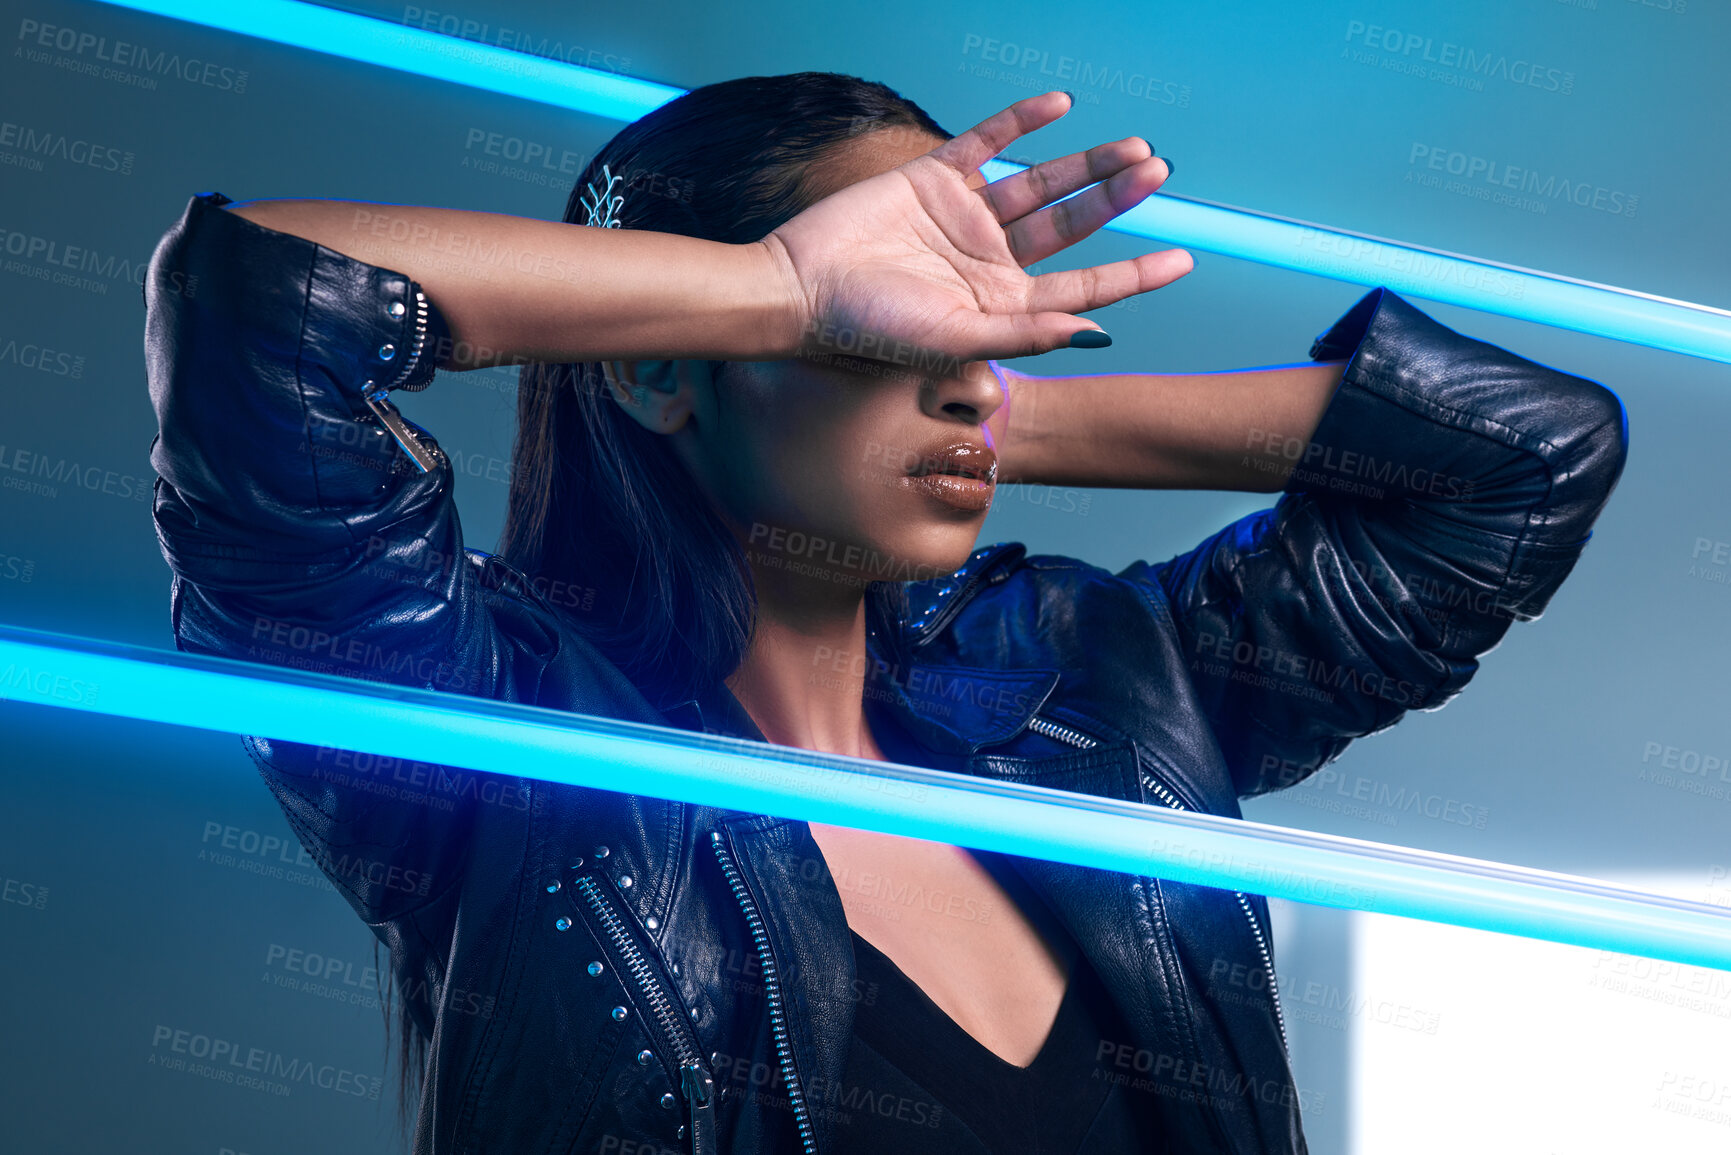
949, 712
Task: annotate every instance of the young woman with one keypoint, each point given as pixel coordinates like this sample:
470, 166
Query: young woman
760, 422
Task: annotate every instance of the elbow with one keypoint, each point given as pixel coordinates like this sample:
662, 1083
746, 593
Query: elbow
1586, 453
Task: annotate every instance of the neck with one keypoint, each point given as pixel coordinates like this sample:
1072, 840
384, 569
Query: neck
803, 676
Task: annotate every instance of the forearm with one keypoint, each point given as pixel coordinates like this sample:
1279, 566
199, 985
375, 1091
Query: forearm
1447, 491
1164, 431
515, 289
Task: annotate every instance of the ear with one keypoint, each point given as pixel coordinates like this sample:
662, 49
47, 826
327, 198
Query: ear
658, 395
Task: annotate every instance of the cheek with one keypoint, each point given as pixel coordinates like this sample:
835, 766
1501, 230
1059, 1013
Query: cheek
803, 449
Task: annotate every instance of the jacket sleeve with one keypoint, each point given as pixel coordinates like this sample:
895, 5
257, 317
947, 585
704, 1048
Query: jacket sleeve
1448, 490
300, 533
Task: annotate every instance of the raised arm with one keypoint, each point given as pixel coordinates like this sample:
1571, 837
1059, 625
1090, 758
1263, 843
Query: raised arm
1436, 490
1160, 431
927, 256
512, 289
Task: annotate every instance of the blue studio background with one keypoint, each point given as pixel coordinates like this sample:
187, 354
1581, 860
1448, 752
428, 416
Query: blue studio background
150, 883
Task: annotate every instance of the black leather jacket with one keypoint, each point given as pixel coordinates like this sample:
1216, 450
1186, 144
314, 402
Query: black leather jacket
606, 972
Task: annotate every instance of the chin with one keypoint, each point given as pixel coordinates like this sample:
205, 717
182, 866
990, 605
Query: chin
926, 552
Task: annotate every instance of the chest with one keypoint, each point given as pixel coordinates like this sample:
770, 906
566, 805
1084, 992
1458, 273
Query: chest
981, 948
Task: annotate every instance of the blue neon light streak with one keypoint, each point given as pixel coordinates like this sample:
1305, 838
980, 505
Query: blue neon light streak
1451, 278
554, 746
402, 48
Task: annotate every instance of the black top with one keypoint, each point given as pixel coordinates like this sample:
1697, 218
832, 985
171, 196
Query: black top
918, 1084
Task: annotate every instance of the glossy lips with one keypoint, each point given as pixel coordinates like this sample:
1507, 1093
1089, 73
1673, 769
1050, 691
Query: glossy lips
962, 475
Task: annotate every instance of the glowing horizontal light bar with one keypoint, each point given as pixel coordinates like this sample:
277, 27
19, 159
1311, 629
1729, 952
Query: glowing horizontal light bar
397, 46
1451, 278
1454, 279
471, 733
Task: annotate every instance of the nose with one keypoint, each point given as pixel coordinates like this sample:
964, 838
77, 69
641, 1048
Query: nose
971, 395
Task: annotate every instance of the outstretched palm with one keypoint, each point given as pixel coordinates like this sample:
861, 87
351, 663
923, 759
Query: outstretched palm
916, 256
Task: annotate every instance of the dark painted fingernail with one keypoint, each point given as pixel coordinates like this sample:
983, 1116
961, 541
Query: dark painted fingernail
1090, 339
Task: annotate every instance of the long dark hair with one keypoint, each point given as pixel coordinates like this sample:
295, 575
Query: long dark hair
601, 504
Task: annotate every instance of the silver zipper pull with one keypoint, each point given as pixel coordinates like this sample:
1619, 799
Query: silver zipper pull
379, 401
699, 1091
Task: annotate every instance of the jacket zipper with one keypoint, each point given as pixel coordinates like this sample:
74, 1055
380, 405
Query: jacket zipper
1075, 738
417, 342
696, 1085
772, 991
378, 399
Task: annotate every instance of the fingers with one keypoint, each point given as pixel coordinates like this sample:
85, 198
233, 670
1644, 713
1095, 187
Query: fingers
967, 152
1079, 290
1052, 321
1006, 335
1040, 234
1014, 197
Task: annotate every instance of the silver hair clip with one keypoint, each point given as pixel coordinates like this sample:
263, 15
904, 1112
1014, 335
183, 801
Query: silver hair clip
603, 203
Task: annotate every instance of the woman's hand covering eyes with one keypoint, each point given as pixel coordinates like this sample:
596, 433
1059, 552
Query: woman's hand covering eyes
917, 267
